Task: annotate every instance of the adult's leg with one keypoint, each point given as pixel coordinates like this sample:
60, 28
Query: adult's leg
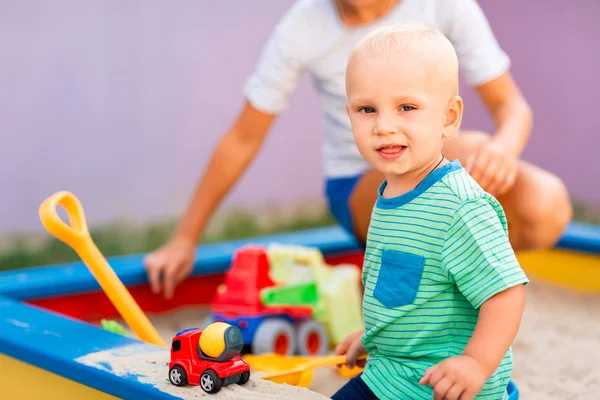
361, 202
537, 207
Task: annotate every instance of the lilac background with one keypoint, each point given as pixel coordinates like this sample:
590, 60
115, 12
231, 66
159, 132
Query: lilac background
121, 102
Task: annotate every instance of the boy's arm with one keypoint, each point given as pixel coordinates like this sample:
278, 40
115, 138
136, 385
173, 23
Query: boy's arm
497, 326
463, 377
477, 256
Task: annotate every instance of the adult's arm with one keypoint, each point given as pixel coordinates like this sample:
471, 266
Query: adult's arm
267, 93
486, 67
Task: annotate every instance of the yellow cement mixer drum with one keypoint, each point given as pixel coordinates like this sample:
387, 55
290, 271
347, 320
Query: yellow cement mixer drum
221, 341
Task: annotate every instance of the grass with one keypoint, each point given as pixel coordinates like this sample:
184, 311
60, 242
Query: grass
586, 213
119, 239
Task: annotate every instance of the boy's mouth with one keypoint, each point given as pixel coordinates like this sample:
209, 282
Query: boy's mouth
391, 151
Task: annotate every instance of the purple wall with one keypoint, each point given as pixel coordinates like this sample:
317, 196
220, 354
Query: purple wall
555, 62
122, 102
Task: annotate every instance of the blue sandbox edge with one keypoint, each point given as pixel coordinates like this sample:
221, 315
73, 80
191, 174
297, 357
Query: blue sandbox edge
71, 278
581, 237
53, 342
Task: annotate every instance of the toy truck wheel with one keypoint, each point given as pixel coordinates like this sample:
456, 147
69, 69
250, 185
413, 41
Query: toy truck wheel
312, 338
177, 376
274, 336
244, 378
210, 382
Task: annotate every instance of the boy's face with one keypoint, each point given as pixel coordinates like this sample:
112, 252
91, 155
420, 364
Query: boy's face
401, 109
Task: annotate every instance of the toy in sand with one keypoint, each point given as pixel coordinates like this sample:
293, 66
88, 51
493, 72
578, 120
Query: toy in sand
286, 300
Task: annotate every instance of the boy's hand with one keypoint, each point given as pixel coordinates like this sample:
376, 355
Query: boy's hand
456, 378
169, 265
352, 347
494, 168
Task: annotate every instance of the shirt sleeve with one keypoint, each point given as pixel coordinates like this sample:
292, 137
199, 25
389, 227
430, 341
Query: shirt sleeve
480, 57
280, 64
477, 254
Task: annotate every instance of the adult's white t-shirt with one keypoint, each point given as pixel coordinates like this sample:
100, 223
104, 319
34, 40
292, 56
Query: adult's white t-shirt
310, 37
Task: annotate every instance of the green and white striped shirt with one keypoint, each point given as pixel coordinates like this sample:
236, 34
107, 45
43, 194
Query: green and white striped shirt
434, 255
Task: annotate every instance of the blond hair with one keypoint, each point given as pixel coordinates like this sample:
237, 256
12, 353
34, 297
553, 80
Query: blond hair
410, 39
396, 38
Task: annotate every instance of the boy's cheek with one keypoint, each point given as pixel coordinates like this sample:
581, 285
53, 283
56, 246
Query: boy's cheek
364, 145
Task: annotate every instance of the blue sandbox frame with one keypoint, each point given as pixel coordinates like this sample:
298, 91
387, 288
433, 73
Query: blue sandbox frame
54, 342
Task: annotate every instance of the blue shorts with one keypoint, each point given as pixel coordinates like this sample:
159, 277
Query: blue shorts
338, 191
355, 389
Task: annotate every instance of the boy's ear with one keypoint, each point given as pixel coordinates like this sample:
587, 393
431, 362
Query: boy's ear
453, 117
347, 108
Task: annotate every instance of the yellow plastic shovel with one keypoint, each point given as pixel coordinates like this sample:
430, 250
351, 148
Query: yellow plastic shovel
302, 374
77, 236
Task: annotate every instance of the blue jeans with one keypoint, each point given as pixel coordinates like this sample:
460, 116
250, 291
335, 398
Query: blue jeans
355, 389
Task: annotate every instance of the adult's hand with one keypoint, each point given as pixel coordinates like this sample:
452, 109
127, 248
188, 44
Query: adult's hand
170, 265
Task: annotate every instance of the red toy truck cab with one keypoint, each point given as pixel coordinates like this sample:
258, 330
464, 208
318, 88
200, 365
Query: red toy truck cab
189, 364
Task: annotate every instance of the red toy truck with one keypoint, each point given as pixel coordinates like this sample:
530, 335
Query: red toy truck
209, 358
266, 328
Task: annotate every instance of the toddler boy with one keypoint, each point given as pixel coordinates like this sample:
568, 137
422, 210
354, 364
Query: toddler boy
444, 293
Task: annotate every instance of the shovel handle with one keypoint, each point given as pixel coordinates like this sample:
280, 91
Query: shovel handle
77, 236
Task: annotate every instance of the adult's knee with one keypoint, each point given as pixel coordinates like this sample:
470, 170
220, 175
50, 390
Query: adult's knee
544, 221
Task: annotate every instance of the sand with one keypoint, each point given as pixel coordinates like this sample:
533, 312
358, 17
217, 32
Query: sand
149, 365
557, 350
324, 384
556, 353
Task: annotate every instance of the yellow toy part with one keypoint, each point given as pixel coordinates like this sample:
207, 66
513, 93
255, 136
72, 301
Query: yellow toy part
349, 372
289, 264
212, 340
77, 236
272, 363
301, 374
342, 302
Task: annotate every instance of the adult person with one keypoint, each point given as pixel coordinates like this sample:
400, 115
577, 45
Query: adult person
317, 36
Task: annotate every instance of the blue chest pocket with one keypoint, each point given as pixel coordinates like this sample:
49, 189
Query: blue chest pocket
399, 278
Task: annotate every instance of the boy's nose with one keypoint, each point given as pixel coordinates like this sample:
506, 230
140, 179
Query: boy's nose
385, 126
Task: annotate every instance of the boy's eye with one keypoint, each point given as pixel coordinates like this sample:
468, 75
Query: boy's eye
407, 108
367, 110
